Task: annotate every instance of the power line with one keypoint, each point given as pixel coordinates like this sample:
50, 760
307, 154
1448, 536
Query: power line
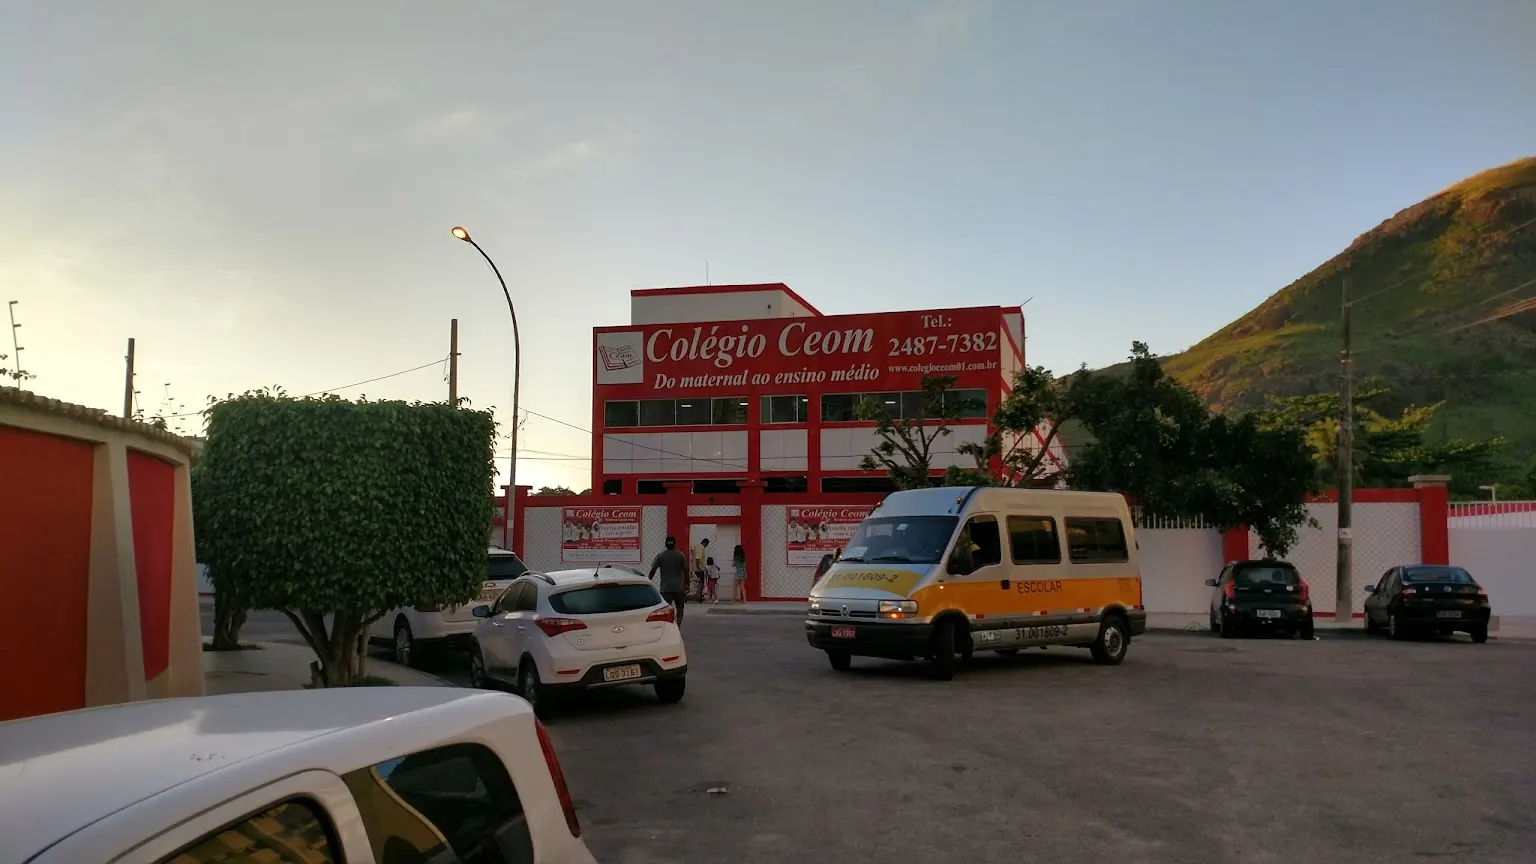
334, 389
735, 465
1488, 241
1425, 328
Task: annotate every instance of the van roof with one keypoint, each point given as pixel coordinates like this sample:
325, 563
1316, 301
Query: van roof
950, 500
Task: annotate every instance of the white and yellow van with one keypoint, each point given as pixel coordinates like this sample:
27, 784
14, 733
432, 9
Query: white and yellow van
943, 572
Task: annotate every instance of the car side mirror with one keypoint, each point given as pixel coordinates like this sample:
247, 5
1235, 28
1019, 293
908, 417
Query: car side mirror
481, 611
1211, 582
1370, 589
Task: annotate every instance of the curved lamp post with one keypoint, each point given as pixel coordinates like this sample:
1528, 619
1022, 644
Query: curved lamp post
517, 362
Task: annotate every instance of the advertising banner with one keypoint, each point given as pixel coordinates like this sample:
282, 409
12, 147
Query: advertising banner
600, 535
811, 532
864, 353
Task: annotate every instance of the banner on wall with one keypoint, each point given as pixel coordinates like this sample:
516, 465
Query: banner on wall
812, 532
600, 535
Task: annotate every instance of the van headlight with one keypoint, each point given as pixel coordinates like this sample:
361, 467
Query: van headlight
896, 608
815, 605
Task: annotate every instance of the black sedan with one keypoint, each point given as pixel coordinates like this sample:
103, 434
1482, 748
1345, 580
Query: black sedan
1427, 598
1260, 595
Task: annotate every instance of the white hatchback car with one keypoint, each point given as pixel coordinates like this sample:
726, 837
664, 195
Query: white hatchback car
411, 629
569, 630
384, 774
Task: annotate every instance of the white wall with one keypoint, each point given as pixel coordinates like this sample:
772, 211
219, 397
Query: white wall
843, 447
781, 450
676, 452
1386, 535
1174, 566
542, 535
1502, 560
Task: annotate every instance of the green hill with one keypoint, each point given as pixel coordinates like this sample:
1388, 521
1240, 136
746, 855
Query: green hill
1444, 312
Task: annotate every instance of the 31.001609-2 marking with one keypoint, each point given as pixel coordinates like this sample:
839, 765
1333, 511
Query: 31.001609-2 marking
1049, 631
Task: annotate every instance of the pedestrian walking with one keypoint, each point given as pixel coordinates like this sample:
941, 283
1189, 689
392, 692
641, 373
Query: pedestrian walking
739, 577
712, 585
701, 564
673, 567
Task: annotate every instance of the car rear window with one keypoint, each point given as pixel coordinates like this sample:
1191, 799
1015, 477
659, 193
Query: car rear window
1260, 577
507, 567
1438, 575
605, 598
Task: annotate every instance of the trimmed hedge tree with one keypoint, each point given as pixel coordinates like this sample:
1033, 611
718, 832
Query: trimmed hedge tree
335, 512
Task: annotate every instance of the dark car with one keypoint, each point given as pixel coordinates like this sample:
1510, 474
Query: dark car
1260, 596
1427, 598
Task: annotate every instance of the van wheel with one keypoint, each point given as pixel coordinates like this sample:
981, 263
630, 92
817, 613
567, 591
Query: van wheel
841, 661
944, 651
1112, 642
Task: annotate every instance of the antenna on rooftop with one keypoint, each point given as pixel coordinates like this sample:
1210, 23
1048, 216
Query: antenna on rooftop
706, 274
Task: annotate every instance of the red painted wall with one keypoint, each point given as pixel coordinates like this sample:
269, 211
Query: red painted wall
45, 560
152, 491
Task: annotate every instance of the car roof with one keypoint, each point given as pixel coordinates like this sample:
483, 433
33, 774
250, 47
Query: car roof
501, 552
82, 766
605, 574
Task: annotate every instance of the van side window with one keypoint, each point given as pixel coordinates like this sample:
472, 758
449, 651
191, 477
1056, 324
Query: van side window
1033, 540
986, 542
1096, 541
453, 803
293, 832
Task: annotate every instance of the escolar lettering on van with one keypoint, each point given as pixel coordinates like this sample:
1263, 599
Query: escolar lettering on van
1042, 587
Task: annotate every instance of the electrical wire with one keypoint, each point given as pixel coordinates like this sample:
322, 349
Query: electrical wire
606, 436
1425, 328
1487, 241
334, 389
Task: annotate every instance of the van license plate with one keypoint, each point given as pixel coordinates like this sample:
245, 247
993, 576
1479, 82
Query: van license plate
622, 673
843, 632
1269, 613
1449, 614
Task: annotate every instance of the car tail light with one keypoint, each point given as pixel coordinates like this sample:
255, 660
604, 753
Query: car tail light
664, 615
555, 626
558, 778
1229, 590
1306, 592
1408, 592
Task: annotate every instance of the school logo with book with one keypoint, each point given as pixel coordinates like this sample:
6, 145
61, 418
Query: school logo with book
620, 358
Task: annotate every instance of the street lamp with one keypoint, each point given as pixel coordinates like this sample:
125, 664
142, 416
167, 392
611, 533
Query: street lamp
1494, 489
517, 348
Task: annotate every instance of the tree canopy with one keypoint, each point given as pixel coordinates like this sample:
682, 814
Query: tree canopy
334, 512
908, 429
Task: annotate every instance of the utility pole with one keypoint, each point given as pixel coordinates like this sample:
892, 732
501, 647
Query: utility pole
453, 363
1344, 588
128, 384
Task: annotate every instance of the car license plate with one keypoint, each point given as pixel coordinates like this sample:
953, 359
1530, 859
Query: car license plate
1449, 614
843, 632
622, 673
1269, 613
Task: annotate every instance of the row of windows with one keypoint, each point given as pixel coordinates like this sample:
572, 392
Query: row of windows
1035, 540
775, 485
732, 410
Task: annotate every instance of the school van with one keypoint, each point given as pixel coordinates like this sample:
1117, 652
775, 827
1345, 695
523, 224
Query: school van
944, 573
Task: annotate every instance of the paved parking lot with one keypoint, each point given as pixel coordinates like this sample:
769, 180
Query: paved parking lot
1196, 749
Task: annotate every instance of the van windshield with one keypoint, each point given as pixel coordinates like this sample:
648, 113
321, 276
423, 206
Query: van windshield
505, 567
901, 539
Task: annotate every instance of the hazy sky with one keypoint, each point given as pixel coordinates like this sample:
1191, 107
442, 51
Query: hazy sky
260, 193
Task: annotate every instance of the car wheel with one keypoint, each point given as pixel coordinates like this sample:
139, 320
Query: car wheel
1480, 634
477, 677
1112, 643
1227, 627
842, 661
1215, 628
944, 651
405, 643
532, 690
1394, 629
670, 690
1370, 625
1307, 631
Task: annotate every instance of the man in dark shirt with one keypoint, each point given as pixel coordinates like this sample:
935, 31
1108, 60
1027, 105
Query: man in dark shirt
673, 566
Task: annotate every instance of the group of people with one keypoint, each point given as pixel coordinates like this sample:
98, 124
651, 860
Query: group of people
677, 570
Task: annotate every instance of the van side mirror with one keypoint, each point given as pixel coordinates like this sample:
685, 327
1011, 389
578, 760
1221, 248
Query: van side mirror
956, 567
481, 611
1211, 582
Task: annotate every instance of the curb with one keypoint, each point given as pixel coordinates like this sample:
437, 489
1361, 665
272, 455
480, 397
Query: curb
735, 610
375, 666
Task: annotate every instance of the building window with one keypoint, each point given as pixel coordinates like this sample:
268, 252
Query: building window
614, 486
849, 407
785, 485
658, 412
716, 487
625, 413
730, 411
857, 484
971, 404
694, 412
786, 409
651, 487
840, 408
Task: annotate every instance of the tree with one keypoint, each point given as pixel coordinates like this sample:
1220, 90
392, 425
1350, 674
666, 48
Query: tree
1025, 425
334, 512
553, 490
908, 429
1155, 440
1388, 450
229, 606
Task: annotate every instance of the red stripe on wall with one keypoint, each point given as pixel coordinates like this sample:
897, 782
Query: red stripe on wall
152, 492
45, 571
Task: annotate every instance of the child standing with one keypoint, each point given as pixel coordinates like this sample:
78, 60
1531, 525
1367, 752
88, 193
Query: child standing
712, 582
739, 580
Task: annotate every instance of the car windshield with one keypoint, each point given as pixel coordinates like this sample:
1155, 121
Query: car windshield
1438, 575
599, 599
506, 567
901, 539
1265, 576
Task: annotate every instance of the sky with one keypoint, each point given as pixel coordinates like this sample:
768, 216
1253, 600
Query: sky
261, 193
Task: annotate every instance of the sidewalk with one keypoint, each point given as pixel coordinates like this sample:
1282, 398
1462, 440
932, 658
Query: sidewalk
276, 666
1511, 628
